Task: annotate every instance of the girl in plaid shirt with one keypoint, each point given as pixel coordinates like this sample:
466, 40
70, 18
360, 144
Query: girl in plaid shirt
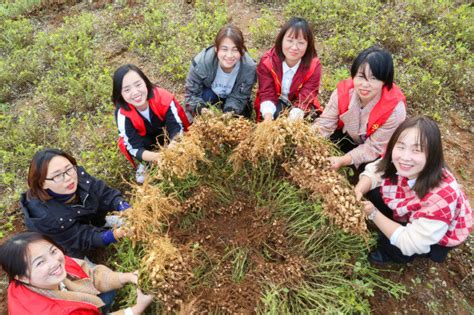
415, 201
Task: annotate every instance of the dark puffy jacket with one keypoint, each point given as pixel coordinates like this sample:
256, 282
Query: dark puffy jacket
76, 227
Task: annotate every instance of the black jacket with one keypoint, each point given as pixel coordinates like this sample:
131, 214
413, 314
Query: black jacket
76, 227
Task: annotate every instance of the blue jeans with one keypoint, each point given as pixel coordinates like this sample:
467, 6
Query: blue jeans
208, 96
108, 298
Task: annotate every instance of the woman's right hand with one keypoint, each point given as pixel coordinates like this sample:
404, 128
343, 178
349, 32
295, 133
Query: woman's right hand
119, 233
268, 117
142, 302
362, 187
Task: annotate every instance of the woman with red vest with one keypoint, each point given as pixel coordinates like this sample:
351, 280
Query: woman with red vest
415, 201
146, 116
45, 281
289, 74
364, 110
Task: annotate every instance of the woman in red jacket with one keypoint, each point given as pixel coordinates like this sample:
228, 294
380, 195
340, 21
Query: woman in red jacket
45, 281
289, 73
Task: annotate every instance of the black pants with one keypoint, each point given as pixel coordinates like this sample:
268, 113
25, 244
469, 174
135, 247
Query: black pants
345, 143
437, 252
209, 97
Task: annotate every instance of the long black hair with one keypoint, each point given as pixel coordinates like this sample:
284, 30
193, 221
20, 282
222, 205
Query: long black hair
430, 143
117, 97
14, 254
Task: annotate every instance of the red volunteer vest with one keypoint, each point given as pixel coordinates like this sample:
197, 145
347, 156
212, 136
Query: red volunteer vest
381, 111
267, 62
22, 300
159, 104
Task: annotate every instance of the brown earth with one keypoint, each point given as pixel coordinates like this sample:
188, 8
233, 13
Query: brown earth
221, 236
446, 288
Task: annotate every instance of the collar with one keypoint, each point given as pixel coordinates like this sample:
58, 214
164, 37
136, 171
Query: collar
62, 198
287, 68
410, 182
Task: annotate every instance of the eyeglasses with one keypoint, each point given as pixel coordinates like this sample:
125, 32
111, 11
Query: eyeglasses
62, 176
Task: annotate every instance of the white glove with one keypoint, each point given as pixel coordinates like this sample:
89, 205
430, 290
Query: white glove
296, 114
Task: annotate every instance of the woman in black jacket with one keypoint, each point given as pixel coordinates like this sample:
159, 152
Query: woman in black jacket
69, 205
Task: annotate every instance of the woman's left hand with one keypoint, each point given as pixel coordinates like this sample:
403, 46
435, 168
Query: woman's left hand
368, 207
128, 277
339, 161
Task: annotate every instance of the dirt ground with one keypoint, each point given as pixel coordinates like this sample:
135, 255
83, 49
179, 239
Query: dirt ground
217, 239
446, 288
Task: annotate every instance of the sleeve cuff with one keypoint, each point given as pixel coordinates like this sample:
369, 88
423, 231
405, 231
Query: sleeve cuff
123, 205
267, 107
108, 237
396, 234
296, 114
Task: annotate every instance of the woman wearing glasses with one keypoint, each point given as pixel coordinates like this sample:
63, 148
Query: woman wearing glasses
289, 74
222, 74
364, 110
69, 205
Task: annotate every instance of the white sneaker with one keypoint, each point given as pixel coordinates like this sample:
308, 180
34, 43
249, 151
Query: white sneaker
140, 174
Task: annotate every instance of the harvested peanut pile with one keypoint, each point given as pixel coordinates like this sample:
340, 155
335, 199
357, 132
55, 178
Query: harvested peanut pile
209, 236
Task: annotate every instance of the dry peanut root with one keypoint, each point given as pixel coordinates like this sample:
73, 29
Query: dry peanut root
291, 144
180, 158
217, 130
164, 273
151, 207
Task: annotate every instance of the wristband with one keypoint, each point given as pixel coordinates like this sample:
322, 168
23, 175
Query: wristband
372, 215
123, 205
108, 237
128, 311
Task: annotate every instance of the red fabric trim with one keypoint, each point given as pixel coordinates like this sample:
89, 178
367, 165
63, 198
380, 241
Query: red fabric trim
159, 105
267, 61
22, 300
123, 149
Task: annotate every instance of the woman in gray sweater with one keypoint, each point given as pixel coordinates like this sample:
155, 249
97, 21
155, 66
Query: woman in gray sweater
222, 74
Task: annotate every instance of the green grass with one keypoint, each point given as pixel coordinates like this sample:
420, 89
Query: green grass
55, 86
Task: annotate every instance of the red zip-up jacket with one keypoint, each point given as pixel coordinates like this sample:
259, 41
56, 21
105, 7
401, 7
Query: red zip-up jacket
300, 96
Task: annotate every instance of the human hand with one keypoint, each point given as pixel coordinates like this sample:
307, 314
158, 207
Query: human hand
358, 194
339, 161
142, 302
368, 207
128, 277
268, 117
119, 233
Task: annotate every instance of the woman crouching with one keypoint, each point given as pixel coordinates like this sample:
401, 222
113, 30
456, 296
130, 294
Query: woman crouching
416, 202
45, 281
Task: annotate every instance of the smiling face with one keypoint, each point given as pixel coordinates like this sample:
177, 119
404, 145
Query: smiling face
228, 54
407, 155
134, 90
366, 85
293, 47
46, 265
61, 177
